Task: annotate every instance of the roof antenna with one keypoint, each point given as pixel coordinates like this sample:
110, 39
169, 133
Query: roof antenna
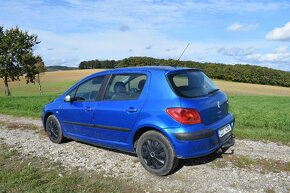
181, 54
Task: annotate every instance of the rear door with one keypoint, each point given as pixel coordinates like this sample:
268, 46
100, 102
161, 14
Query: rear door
77, 115
123, 100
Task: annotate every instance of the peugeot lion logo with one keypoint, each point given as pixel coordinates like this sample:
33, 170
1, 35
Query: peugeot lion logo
218, 104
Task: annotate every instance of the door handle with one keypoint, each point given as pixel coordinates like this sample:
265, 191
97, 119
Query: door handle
131, 110
87, 109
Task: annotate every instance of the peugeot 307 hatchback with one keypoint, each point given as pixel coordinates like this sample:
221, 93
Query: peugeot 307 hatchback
161, 113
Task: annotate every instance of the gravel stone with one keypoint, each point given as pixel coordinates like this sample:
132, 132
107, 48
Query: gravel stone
194, 176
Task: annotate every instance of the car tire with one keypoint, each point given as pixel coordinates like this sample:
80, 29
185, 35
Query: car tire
156, 153
54, 130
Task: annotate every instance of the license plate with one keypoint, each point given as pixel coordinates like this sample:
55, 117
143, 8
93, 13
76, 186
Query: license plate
224, 130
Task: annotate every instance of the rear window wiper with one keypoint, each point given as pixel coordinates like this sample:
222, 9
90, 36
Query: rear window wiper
214, 90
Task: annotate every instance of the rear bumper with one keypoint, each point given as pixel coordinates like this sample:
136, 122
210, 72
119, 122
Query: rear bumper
194, 135
201, 140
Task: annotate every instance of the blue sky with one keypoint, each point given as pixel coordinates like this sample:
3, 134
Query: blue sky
241, 31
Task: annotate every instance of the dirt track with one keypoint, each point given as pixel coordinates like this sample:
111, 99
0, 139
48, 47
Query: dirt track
208, 174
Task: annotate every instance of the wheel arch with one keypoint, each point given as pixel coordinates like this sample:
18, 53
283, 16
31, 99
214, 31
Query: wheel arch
143, 130
45, 119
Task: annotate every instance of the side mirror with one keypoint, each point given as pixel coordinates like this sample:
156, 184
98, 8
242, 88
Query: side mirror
67, 99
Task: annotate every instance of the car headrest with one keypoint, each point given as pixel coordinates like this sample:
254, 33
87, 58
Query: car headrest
119, 87
141, 84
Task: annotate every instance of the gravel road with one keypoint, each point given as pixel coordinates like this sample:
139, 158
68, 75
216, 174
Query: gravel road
195, 175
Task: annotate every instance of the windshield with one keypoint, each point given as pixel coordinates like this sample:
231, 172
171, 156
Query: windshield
191, 84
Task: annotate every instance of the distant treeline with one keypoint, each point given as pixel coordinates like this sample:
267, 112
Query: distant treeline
94, 64
56, 68
237, 73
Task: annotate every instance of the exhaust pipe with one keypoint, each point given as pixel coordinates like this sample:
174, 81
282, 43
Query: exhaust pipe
219, 151
226, 145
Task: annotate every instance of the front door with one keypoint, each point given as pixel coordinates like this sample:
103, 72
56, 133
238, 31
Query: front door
77, 115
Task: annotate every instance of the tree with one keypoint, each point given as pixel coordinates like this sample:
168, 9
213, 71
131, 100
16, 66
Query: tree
34, 65
40, 68
16, 56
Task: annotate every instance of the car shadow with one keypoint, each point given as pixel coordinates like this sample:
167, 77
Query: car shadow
106, 148
181, 163
200, 160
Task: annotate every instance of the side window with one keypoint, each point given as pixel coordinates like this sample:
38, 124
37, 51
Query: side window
89, 90
125, 86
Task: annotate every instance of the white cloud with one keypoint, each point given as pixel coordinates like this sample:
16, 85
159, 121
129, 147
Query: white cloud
273, 57
236, 51
278, 58
280, 33
239, 27
281, 49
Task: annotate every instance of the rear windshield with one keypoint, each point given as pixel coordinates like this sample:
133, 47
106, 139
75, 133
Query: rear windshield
191, 84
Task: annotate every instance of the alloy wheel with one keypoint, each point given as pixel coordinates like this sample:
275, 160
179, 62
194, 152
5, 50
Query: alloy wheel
53, 130
153, 154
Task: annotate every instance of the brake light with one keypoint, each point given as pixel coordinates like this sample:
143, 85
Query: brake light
184, 115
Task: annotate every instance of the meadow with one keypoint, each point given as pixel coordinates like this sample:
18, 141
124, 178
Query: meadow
261, 111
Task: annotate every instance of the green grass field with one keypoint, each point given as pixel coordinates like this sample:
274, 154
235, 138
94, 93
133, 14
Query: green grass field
257, 117
262, 117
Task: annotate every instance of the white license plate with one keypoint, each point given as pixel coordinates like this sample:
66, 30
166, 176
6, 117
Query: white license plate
224, 130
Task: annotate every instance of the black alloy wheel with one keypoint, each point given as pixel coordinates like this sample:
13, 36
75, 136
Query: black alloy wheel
153, 154
156, 153
54, 130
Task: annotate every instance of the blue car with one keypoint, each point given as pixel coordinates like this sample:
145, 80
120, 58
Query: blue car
161, 113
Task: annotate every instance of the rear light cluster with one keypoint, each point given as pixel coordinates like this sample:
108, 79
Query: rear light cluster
184, 115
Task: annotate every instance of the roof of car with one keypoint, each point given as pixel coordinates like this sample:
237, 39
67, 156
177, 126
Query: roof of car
143, 68
161, 69
151, 68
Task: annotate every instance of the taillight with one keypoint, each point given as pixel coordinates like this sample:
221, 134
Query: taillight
184, 115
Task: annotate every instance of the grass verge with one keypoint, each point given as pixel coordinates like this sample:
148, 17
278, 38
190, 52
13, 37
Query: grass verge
28, 106
245, 162
23, 174
12, 125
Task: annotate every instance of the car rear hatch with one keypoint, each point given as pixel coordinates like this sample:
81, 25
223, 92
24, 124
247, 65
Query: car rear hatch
211, 108
198, 92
